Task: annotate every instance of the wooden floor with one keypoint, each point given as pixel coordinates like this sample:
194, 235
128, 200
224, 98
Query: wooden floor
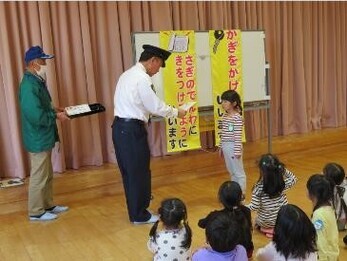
97, 228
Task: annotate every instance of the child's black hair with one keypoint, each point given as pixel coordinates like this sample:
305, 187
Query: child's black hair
334, 172
172, 212
271, 175
230, 194
222, 233
319, 188
294, 233
335, 175
232, 96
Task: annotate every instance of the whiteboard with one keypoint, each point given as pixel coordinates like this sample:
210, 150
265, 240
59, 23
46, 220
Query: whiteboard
253, 64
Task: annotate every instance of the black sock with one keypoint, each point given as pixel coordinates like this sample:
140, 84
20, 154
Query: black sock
51, 208
38, 216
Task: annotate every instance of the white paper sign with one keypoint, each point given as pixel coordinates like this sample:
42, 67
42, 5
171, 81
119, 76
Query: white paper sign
178, 43
77, 109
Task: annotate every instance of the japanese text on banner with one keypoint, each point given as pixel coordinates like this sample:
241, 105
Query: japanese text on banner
226, 69
179, 81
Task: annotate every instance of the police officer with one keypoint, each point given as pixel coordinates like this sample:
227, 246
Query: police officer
134, 101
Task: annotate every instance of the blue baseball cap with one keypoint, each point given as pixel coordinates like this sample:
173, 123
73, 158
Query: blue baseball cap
36, 52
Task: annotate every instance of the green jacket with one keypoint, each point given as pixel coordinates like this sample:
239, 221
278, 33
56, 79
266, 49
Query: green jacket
39, 127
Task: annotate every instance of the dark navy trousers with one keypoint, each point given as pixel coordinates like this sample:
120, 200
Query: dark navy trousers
133, 158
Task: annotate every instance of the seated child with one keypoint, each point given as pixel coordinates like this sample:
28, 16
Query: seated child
222, 235
323, 217
336, 175
173, 240
268, 193
294, 238
230, 195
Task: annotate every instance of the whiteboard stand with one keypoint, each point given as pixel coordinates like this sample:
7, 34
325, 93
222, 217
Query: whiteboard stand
248, 106
269, 125
264, 104
256, 92
258, 105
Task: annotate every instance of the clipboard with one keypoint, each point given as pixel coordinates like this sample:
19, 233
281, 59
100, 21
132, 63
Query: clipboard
81, 110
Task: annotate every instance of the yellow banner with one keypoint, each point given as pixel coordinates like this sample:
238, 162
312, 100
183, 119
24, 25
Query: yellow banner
179, 80
226, 66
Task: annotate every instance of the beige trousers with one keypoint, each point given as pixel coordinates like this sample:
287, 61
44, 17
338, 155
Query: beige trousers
41, 183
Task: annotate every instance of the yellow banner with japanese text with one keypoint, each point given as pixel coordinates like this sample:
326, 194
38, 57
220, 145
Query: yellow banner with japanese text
226, 67
179, 81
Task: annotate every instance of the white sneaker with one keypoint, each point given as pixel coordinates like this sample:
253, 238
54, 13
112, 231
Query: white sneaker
58, 209
152, 219
44, 217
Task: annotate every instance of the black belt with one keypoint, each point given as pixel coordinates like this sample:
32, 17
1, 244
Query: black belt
129, 120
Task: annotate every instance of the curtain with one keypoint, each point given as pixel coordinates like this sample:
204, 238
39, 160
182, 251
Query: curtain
92, 46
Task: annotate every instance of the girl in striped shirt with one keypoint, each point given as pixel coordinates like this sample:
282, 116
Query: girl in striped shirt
231, 134
268, 193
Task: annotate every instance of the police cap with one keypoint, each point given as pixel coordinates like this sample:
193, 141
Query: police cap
156, 51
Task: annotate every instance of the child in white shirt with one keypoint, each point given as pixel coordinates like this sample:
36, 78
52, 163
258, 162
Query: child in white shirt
294, 238
173, 240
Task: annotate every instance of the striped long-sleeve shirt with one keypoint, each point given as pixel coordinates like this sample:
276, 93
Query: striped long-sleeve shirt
267, 207
232, 131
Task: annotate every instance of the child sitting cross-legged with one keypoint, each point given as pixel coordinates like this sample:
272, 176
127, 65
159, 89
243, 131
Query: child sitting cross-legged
222, 236
323, 217
268, 194
230, 196
294, 238
336, 175
173, 238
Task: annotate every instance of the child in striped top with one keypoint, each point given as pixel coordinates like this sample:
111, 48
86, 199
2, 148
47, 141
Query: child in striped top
268, 193
231, 135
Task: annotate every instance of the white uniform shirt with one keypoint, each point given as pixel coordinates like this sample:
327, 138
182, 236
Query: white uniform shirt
135, 99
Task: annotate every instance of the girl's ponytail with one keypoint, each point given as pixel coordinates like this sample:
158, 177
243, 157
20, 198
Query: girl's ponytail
153, 231
188, 238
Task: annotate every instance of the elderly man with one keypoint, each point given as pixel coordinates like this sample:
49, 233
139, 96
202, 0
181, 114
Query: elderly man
40, 133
